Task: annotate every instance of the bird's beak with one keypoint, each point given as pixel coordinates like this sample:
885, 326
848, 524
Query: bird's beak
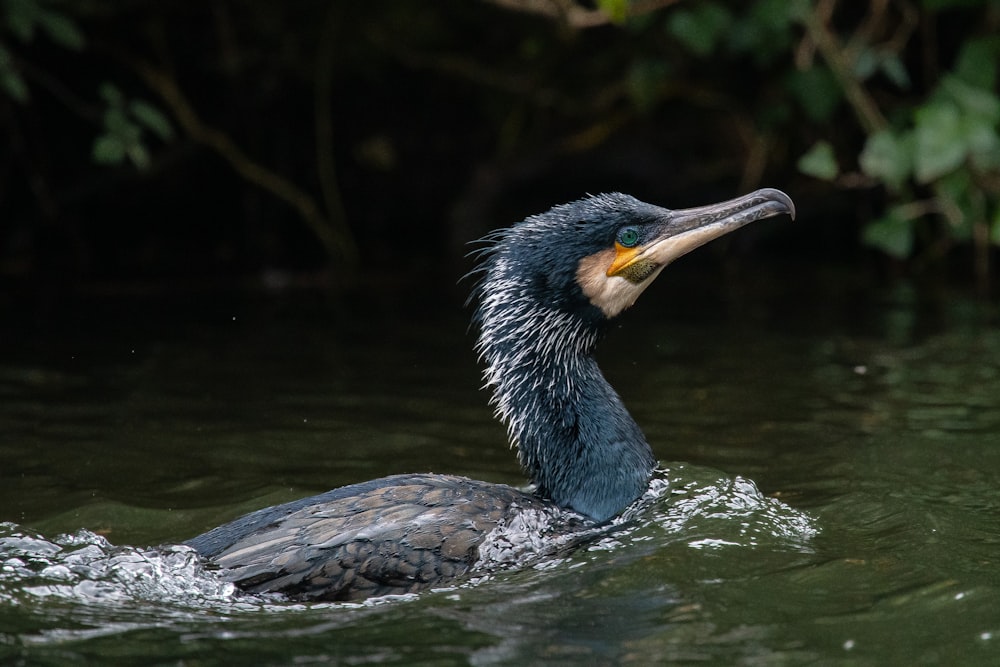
684, 230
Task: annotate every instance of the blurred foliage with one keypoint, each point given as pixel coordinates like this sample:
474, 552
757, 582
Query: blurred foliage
23, 19
125, 122
926, 112
887, 110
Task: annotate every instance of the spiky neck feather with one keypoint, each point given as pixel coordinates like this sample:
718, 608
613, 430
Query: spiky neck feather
575, 439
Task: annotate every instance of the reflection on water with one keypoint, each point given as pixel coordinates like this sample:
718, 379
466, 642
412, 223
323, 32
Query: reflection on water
876, 426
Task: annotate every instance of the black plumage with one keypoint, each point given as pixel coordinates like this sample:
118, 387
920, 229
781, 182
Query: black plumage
547, 288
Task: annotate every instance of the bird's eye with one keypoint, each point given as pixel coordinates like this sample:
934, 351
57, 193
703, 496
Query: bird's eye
628, 236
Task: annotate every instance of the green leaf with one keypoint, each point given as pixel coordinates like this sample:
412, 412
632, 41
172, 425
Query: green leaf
954, 187
819, 162
22, 17
13, 84
138, 154
895, 71
865, 64
888, 157
125, 122
152, 118
995, 227
870, 61
892, 234
939, 141
61, 29
701, 28
983, 143
976, 63
956, 193
959, 122
116, 122
10, 79
765, 32
108, 149
644, 80
816, 90
972, 99
776, 15
110, 93
617, 10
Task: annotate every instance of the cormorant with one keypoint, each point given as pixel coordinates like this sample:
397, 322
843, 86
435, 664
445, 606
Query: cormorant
547, 288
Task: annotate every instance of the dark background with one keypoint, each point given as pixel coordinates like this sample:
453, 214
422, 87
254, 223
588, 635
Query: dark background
413, 128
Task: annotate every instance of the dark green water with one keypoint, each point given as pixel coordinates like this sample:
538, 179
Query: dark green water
875, 415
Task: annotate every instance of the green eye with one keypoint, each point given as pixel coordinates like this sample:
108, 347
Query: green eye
628, 237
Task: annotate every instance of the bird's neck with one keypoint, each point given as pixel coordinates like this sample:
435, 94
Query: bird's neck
575, 439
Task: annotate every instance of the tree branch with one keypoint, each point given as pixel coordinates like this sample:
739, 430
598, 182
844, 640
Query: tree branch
864, 107
573, 15
326, 168
338, 242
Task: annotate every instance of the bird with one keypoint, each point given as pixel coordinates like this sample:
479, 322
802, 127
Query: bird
547, 288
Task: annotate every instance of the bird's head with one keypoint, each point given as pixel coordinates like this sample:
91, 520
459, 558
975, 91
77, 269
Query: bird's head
548, 284
592, 258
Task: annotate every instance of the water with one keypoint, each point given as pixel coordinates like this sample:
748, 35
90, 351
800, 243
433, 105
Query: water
869, 423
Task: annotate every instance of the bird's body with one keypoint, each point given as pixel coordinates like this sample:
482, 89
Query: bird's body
548, 286
391, 535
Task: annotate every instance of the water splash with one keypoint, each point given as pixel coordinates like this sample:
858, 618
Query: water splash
700, 507
111, 589
709, 510
88, 569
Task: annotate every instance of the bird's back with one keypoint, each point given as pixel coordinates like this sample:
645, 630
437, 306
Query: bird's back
393, 535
